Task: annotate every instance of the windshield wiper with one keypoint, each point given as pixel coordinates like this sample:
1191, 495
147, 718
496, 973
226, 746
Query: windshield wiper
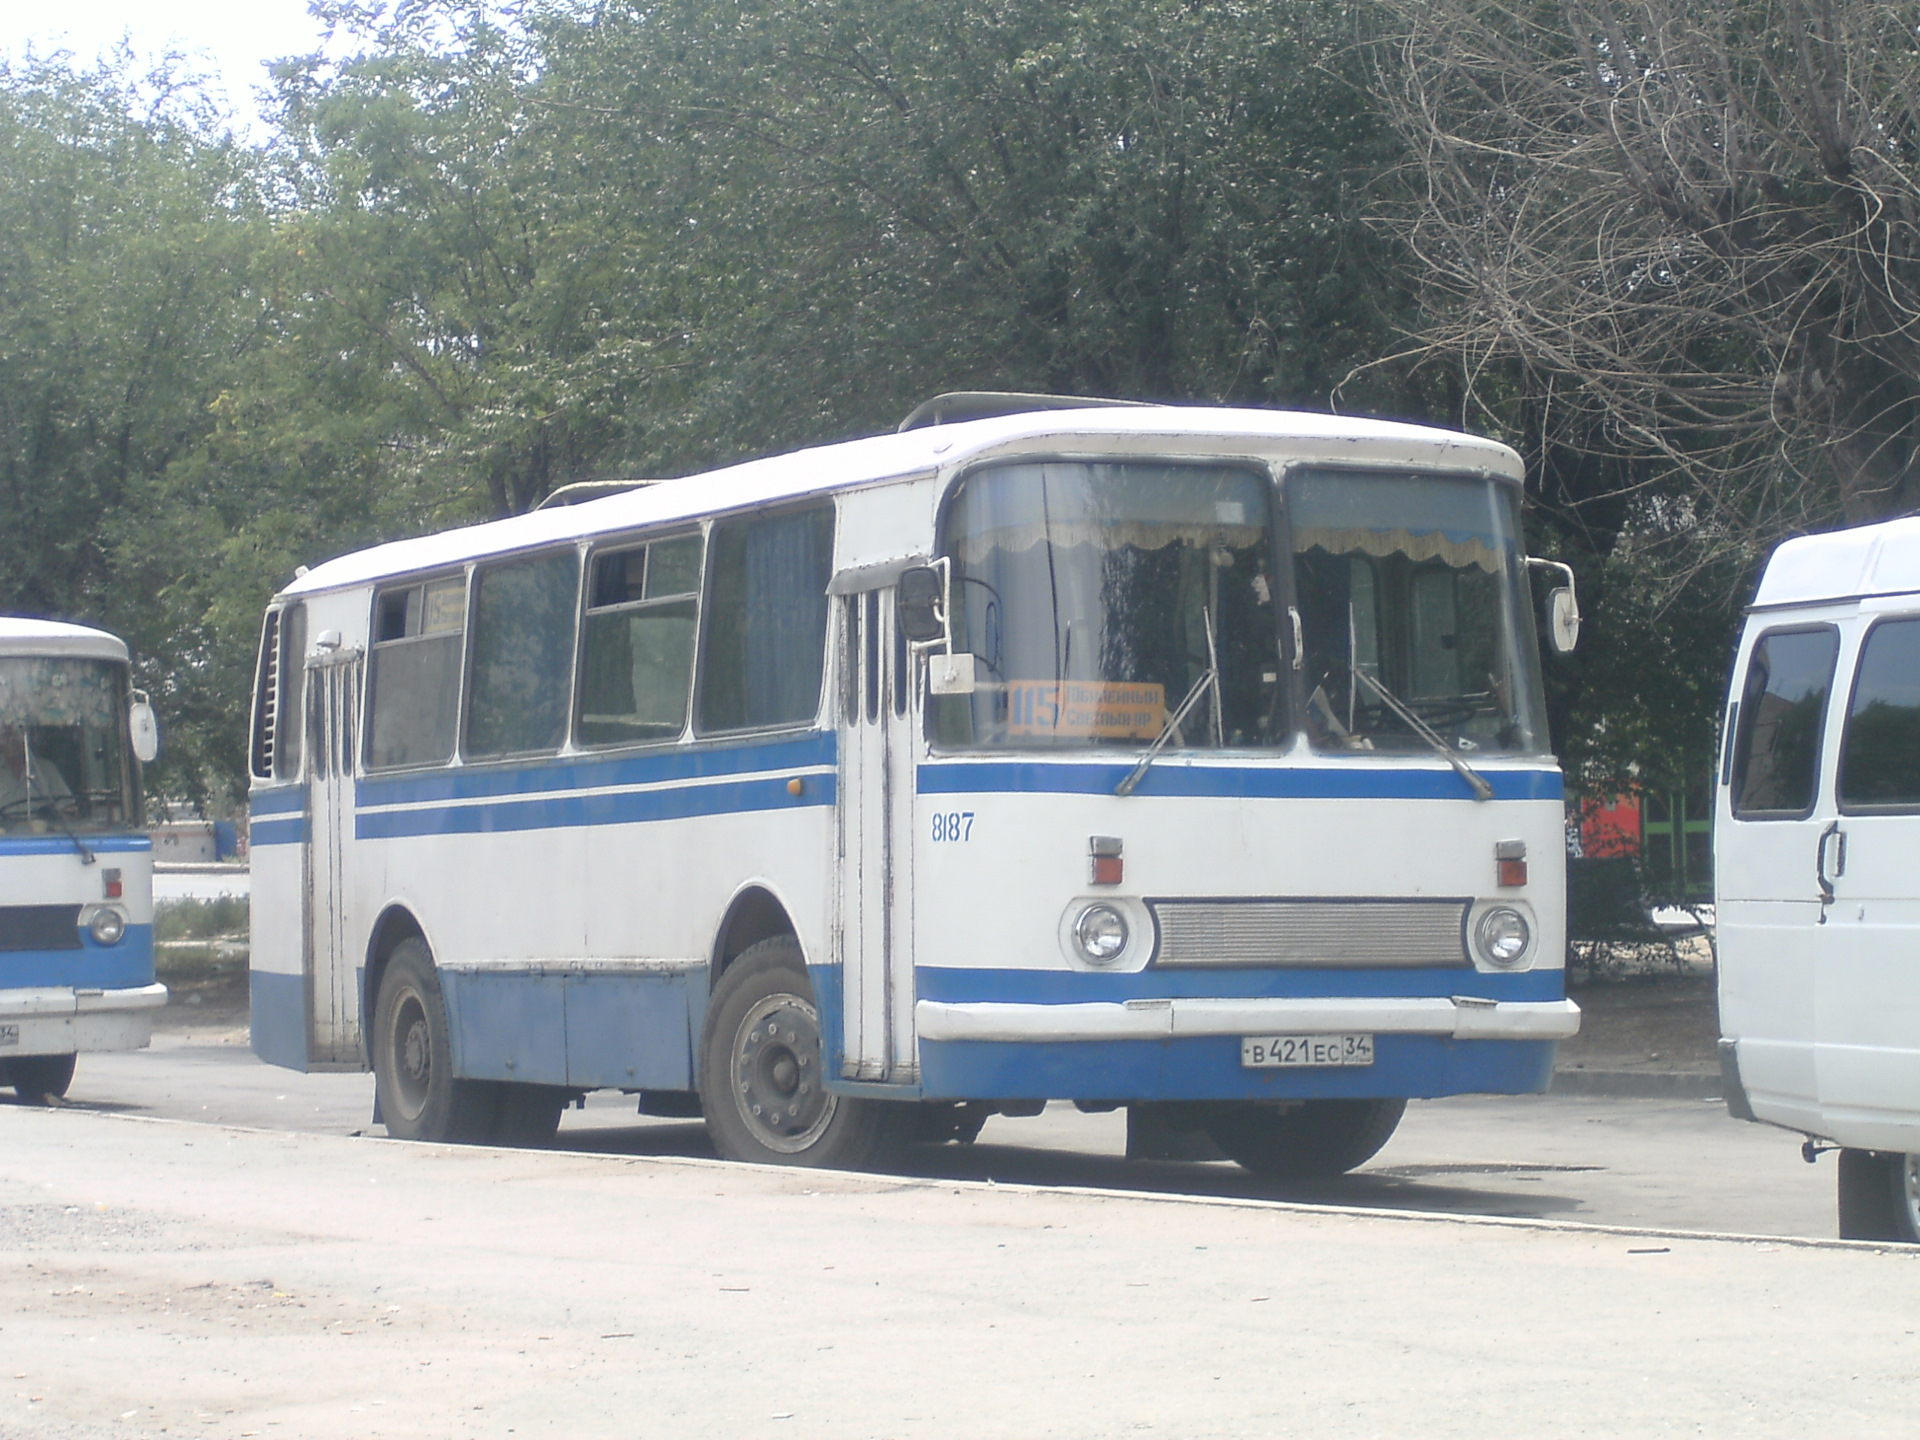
1209, 680
1481, 789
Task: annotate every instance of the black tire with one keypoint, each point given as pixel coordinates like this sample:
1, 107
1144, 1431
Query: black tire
1879, 1196
1309, 1141
761, 1071
528, 1116
413, 1058
36, 1079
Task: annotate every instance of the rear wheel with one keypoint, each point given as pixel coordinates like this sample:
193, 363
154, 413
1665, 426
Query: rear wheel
1879, 1196
36, 1079
413, 1057
761, 1083
1311, 1140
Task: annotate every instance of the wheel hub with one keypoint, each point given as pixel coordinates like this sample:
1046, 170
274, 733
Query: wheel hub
776, 1074
412, 1054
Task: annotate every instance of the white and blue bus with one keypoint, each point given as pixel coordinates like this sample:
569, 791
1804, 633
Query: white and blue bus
76, 871
1184, 759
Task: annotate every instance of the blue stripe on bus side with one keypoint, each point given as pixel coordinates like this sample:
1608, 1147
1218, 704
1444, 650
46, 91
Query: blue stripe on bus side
288, 800
689, 762
625, 808
962, 986
62, 845
278, 832
1280, 782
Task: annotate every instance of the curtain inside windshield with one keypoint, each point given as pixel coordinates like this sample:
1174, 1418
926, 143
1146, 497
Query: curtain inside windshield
1096, 597
61, 744
1412, 602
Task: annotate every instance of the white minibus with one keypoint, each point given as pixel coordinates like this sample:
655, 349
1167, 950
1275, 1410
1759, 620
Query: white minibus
76, 873
1817, 865
1188, 760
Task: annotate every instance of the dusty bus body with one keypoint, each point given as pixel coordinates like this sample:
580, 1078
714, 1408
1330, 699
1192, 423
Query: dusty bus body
76, 873
1175, 758
1817, 864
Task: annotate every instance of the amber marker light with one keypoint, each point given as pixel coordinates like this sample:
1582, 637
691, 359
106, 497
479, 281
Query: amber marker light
1108, 866
796, 786
1511, 858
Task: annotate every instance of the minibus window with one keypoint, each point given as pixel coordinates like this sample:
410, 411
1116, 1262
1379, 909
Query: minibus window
415, 673
636, 667
1782, 707
1880, 751
766, 621
523, 612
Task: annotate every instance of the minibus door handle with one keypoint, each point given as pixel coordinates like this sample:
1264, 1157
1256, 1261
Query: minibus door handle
1838, 836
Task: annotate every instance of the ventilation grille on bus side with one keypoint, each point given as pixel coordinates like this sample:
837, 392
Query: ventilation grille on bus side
39, 927
1351, 934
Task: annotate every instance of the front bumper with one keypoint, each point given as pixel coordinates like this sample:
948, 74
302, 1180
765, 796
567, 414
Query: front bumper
1189, 1049
62, 1020
1460, 1017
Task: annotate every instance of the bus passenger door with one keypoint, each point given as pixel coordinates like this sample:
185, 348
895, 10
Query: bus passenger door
874, 876
333, 962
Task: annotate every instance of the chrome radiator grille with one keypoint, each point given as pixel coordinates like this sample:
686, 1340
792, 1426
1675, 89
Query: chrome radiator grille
1353, 934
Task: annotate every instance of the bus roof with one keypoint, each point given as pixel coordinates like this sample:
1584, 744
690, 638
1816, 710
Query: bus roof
1881, 559
22, 636
827, 468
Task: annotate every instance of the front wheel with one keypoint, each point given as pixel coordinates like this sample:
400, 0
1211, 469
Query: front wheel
1312, 1140
762, 1087
413, 1057
36, 1079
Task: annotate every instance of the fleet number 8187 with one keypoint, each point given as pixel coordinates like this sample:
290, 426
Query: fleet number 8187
952, 825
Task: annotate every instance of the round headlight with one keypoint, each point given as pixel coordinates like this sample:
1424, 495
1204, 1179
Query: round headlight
1101, 934
1503, 935
107, 926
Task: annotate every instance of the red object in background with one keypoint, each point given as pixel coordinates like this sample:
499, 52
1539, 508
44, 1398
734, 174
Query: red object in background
1611, 828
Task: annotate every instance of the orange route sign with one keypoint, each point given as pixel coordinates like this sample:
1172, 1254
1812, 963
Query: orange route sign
1098, 709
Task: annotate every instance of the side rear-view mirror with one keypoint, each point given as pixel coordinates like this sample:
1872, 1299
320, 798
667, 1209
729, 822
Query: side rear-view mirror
919, 604
1563, 606
1563, 619
143, 729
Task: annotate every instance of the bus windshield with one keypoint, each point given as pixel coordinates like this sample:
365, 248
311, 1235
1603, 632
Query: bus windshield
1412, 597
1096, 596
62, 745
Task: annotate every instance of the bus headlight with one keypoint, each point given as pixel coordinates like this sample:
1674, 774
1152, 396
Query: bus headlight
1100, 934
1503, 936
107, 926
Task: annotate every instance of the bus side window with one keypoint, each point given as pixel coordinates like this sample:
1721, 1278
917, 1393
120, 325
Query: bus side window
636, 664
292, 706
415, 673
1880, 750
523, 614
766, 626
1783, 706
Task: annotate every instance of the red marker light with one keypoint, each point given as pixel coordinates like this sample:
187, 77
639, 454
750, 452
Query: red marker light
110, 885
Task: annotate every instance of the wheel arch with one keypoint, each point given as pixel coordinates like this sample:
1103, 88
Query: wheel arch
396, 923
754, 914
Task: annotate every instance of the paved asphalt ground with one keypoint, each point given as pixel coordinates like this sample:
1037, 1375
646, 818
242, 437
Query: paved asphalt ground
167, 1278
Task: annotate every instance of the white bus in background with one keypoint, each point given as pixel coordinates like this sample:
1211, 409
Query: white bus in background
76, 893
1817, 865
1186, 760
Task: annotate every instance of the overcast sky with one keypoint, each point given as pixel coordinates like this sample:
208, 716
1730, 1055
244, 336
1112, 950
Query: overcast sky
231, 38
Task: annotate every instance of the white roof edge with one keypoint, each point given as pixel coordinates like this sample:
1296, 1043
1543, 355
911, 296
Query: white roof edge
1880, 559
20, 635
798, 474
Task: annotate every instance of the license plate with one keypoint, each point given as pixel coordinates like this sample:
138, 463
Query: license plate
1289, 1052
9, 1034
